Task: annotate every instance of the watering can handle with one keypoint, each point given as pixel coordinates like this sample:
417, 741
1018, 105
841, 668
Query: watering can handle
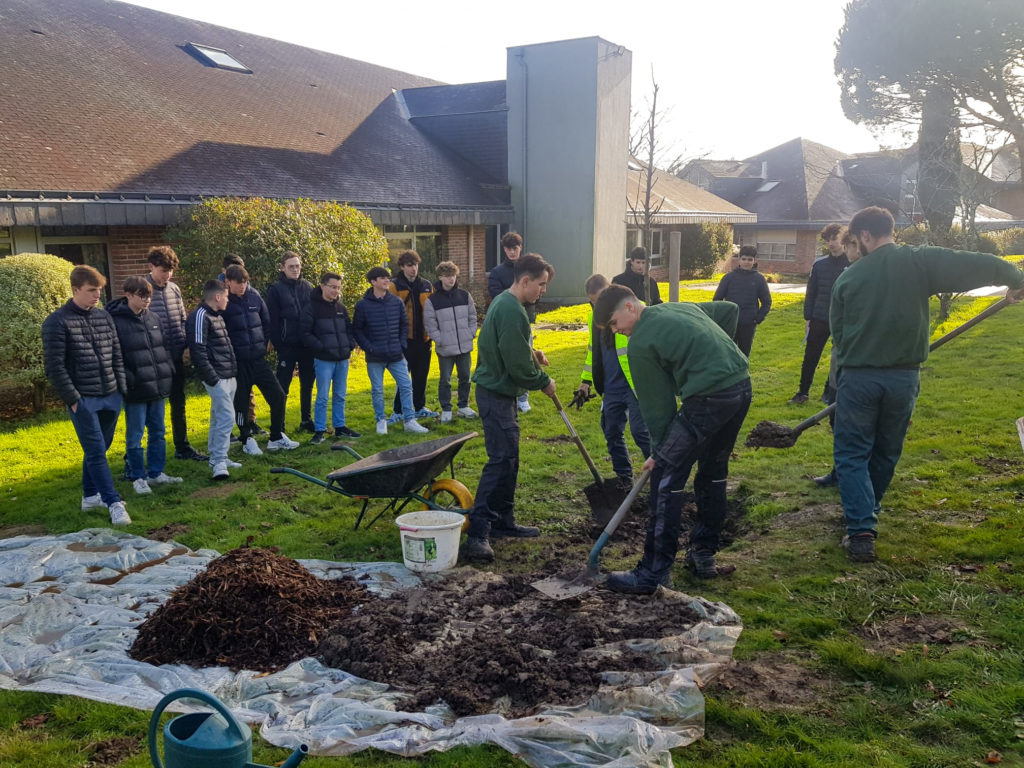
186, 693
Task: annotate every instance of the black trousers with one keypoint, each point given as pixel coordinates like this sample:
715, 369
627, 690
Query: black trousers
287, 359
817, 335
496, 491
257, 373
745, 337
417, 356
177, 398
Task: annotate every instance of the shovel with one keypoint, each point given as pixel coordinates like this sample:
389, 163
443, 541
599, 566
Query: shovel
560, 587
768, 434
576, 439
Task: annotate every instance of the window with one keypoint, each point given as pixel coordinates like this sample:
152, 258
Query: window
777, 251
80, 245
6, 246
426, 241
634, 237
216, 57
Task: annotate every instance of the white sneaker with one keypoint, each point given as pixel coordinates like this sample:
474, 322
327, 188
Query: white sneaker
446, 417
165, 479
231, 464
382, 427
141, 486
118, 514
93, 502
284, 443
414, 426
220, 470
251, 448
467, 413
524, 406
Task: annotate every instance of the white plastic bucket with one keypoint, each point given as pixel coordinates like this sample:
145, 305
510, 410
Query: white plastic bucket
430, 539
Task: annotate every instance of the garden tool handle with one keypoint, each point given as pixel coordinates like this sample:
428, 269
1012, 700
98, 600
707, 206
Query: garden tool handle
613, 524
576, 439
820, 416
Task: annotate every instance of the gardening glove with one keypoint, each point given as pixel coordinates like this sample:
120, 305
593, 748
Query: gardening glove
580, 396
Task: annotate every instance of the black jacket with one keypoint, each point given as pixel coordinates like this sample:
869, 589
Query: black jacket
148, 369
326, 329
635, 283
747, 289
501, 279
81, 353
168, 305
247, 320
210, 346
381, 327
286, 300
818, 298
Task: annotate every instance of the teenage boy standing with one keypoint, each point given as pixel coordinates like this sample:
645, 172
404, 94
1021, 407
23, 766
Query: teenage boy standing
82, 358
746, 288
414, 291
506, 366
287, 299
501, 279
148, 373
633, 276
450, 318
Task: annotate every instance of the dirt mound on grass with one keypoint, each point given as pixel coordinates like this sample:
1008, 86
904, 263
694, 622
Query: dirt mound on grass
250, 609
476, 638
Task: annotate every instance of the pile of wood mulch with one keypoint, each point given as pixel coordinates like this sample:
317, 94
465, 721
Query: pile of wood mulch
250, 609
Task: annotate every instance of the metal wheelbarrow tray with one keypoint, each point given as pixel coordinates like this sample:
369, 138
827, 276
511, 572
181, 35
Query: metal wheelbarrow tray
399, 474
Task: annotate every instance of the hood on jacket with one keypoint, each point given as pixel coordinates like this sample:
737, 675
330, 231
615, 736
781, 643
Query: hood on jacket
121, 308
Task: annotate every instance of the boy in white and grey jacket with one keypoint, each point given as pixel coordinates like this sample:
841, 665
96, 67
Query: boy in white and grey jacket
449, 317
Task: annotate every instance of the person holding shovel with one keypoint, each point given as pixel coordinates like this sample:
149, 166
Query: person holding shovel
880, 329
685, 351
507, 366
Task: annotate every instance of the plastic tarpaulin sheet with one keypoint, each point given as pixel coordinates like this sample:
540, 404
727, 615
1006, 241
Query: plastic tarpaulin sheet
70, 606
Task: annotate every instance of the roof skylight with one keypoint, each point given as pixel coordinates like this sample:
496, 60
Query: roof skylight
216, 57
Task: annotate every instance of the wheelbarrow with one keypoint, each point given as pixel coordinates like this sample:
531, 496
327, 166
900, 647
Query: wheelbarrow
402, 475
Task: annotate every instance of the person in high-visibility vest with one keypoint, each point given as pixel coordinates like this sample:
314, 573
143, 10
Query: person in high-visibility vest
606, 370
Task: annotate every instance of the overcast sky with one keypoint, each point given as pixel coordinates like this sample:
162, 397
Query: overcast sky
739, 76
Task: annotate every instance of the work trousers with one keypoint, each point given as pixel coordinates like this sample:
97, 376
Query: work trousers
873, 410
496, 492
417, 356
95, 419
179, 427
463, 364
145, 417
287, 359
331, 379
702, 433
222, 411
257, 373
616, 408
817, 335
745, 337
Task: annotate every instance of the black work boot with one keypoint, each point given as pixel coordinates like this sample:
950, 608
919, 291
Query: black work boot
515, 532
701, 563
477, 550
639, 581
827, 480
860, 548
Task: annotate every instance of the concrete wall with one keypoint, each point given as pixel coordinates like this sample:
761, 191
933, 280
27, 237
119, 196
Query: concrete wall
568, 131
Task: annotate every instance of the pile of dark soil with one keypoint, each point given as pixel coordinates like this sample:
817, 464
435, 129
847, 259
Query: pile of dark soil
250, 609
477, 637
768, 434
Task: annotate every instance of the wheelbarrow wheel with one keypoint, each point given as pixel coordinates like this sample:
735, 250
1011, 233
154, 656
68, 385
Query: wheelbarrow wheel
450, 494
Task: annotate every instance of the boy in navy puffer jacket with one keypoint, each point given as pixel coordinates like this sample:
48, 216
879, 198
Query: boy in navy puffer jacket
746, 288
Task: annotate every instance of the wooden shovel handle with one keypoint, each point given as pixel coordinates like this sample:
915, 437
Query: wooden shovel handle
576, 439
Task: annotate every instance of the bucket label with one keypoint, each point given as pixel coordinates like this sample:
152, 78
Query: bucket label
420, 550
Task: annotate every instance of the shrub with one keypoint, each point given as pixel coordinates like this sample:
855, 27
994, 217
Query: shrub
32, 285
702, 247
955, 238
1011, 241
328, 236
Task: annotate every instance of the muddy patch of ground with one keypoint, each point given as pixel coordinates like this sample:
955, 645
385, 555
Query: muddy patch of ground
220, 491
281, 493
999, 465
896, 634
482, 641
556, 439
774, 682
168, 532
113, 751
250, 609
10, 531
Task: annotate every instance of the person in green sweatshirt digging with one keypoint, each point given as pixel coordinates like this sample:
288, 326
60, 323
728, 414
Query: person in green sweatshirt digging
880, 329
506, 367
684, 351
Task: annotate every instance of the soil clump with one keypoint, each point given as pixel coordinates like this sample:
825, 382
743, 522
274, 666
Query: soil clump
769, 434
482, 642
250, 609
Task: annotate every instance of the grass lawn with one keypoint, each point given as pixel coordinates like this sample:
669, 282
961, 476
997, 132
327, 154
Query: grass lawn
917, 660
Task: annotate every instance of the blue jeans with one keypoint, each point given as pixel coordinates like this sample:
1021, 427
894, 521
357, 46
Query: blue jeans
615, 408
463, 364
399, 371
222, 418
148, 417
95, 419
873, 410
331, 377
702, 433
496, 491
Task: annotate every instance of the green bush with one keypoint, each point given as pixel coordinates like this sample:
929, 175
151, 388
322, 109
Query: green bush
955, 238
702, 247
328, 236
32, 285
1011, 241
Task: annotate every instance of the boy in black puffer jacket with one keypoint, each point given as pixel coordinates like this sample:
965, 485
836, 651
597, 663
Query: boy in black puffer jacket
149, 371
746, 288
327, 333
286, 300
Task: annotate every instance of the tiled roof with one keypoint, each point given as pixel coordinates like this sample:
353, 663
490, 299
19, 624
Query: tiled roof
100, 96
682, 202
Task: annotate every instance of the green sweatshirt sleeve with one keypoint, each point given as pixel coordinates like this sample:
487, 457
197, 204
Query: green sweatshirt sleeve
520, 365
726, 314
655, 390
953, 271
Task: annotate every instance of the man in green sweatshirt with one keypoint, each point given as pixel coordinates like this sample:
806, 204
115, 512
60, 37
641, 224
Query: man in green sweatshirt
684, 351
506, 367
880, 328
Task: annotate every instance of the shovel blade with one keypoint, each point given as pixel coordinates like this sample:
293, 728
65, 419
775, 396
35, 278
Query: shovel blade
560, 588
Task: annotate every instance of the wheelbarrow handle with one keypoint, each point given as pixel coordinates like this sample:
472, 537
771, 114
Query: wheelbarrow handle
826, 412
576, 439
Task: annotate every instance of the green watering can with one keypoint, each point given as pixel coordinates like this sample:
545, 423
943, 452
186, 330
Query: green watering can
206, 739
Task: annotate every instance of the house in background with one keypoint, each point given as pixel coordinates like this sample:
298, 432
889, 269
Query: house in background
117, 118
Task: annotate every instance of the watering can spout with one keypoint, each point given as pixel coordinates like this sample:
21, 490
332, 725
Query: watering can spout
296, 757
